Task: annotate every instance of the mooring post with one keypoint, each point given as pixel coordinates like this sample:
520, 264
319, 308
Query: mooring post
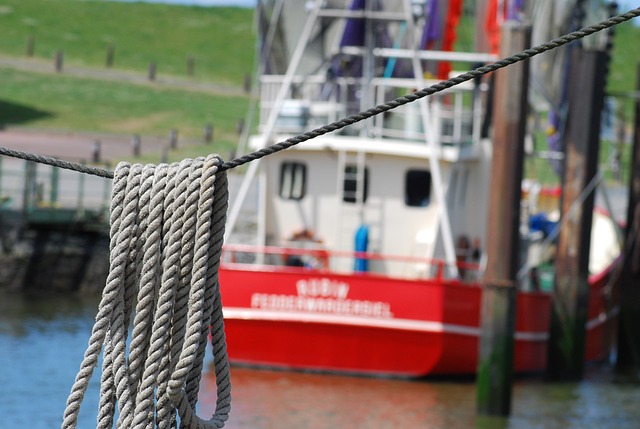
567, 337
495, 365
629, 325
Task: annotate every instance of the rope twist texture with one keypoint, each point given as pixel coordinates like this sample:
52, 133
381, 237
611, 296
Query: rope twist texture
167, 228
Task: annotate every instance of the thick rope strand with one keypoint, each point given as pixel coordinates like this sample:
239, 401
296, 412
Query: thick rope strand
167, 226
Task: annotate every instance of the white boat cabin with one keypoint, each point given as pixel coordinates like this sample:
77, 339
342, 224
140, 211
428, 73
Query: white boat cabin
372, 188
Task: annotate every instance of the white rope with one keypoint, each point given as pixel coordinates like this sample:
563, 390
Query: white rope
167, 228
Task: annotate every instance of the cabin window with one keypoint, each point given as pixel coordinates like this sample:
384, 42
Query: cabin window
293, 180
350, 186
417, 188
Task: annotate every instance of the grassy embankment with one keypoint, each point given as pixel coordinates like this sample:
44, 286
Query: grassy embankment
220, 41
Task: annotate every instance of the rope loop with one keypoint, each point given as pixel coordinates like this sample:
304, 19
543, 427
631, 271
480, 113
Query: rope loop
167, 229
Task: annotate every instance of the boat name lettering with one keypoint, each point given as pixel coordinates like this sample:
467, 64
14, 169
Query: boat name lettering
322, 287
347, 307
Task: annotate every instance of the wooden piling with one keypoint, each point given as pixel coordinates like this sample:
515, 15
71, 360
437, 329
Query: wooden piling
628, 356
495, 366
566, 346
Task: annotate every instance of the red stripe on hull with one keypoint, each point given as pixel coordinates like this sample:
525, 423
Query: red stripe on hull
300, 319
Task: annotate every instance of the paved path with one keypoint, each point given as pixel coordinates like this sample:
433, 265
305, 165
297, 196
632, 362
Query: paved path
76, 147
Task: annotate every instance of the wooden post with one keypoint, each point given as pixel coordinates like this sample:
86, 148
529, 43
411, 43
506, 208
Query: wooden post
95, 152
152, 71
628, 327
247, 83
136, 145
173, 138
110, 55
567, 336
191, 64
29, 186
208, 133
31, 41
495, 366
55, 181
59, 59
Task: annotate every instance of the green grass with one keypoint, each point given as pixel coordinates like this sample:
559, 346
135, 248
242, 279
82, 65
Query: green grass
624, 70
221, 40
543, 172
72, 103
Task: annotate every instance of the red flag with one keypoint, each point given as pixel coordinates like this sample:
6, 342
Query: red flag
492, 26
453, 18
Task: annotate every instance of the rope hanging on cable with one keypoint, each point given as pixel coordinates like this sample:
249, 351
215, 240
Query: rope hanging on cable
167, 228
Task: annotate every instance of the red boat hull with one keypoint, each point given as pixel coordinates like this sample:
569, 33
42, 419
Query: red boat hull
363, 323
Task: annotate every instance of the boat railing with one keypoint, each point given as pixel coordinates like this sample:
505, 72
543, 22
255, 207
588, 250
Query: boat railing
313, 101
320, 259
454, 115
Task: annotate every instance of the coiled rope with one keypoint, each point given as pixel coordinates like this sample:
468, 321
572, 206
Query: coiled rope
167, 228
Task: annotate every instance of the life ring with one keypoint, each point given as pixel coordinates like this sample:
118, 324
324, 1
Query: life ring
314, 257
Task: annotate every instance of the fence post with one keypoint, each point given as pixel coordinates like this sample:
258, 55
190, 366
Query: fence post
55, 180
152, 71
59, 59
208, 133
135, 145
80, 208
30, 45
173, 139
110, 55
191, 61
95, 155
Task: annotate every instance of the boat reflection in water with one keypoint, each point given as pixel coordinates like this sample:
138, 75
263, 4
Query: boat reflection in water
266, 399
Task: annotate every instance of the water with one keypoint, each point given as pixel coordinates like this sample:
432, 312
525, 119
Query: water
42, 340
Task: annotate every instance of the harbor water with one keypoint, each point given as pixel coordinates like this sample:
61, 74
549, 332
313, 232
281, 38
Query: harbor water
43, 339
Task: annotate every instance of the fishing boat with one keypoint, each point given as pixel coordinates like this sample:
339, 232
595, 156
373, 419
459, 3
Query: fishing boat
367, 245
